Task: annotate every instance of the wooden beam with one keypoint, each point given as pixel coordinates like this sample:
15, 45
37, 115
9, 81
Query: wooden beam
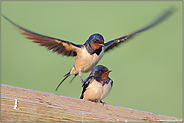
37, 106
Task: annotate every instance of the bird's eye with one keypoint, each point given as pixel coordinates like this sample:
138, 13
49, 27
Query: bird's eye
100, 72
96, 41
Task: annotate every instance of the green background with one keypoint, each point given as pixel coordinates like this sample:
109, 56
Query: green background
147, 69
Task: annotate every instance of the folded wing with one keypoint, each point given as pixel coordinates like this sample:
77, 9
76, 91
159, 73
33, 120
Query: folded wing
85, 84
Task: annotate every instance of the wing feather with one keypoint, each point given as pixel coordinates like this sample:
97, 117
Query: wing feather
114, 43
54, 44
85, 84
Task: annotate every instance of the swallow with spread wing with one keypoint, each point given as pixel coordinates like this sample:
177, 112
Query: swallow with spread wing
98, 85
88, 54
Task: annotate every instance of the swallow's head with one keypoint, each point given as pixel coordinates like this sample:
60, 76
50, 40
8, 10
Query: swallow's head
100, 72
96, 41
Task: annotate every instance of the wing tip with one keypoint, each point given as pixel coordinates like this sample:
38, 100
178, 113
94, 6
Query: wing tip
11, 22
173, 8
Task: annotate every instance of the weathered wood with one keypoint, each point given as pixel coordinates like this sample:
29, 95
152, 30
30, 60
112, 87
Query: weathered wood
37, 106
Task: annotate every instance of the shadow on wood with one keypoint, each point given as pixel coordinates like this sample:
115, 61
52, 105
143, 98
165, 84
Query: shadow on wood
37, 106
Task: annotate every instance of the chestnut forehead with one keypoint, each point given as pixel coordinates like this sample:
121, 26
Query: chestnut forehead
101, 41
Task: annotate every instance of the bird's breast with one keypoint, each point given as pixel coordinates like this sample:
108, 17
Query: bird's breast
93, 91
86, 61
96, 91
106, 89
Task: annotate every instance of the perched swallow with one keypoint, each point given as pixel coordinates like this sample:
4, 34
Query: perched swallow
88, 54
98, 85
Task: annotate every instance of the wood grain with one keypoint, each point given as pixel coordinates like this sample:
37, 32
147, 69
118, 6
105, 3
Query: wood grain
37, 106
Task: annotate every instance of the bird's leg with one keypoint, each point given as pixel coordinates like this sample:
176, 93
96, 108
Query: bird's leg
80, 74
102, 102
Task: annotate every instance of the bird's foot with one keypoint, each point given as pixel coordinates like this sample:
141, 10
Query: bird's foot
102, 102
81, 80
80, 74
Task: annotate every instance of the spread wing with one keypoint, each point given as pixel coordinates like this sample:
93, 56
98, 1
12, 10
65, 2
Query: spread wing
56, 45
111, 44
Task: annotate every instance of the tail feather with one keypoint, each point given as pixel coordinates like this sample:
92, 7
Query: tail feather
82, 96
73, 78
66, 76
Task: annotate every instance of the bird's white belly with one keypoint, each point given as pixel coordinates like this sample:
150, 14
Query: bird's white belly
93, 91
85, 62
96, 92
106, 90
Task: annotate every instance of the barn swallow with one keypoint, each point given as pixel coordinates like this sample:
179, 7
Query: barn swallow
88, 54
98, 85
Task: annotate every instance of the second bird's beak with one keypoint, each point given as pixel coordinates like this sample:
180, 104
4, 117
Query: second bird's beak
108, 71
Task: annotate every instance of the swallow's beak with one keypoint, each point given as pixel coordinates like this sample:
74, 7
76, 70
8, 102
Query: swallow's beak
108, 71
102, 45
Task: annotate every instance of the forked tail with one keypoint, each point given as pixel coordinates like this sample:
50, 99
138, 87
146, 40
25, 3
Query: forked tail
66, 76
